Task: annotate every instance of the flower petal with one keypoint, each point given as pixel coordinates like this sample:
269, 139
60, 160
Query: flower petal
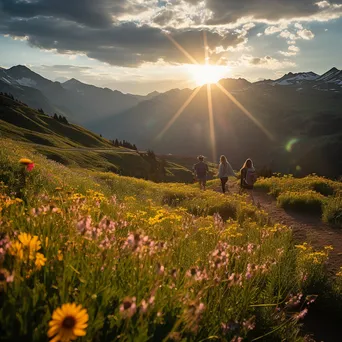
79, 332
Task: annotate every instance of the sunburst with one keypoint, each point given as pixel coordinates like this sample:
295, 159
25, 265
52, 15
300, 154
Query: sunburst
207, 74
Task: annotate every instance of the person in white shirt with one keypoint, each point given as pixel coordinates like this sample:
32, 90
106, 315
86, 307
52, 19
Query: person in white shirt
225, 170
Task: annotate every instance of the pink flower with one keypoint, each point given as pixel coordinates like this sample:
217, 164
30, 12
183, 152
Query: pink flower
30, 167
128, 307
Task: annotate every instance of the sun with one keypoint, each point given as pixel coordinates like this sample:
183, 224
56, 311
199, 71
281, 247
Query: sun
207, 74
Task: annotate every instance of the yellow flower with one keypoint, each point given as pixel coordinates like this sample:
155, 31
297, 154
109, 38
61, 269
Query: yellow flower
25, 239
40, 260
35, 244
59, 255
17, 250
68, 322
25, 161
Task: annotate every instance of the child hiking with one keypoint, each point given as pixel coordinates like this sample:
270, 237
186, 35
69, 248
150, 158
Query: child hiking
201, 170
248, 177
225, 170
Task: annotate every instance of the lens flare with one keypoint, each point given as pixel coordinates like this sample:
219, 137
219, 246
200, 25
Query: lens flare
290, 144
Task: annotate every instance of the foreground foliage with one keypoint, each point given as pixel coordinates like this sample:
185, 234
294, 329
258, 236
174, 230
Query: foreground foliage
101, 257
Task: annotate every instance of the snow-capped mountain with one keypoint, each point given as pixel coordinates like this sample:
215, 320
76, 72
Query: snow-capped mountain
332, 76
298, 78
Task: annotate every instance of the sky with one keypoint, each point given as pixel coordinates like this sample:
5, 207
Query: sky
138, 46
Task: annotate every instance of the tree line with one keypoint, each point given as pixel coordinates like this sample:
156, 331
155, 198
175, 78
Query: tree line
123, 143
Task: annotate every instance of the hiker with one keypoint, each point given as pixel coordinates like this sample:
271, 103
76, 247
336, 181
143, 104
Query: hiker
201, 170
248, 177
225, 170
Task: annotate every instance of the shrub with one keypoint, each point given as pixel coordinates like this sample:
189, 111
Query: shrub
323, 188
307, 201
332, 211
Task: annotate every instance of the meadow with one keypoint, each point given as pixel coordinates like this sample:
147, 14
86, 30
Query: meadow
312, 194
94, 256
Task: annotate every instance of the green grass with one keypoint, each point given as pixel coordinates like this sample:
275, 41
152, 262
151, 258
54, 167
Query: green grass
182, 271
308, 201
311, 194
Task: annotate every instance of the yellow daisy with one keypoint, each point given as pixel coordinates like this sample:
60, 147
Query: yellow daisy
68, 322
25, 161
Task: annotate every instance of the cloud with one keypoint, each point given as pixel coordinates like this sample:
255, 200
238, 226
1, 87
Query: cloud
298, 26
299, 34
266, 62
131, 32
305, 34
287, 35
125, 44
275, 29
267, 10
293, 48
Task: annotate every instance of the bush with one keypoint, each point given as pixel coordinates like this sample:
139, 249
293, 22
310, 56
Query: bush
307, 201
332, 211
323, 188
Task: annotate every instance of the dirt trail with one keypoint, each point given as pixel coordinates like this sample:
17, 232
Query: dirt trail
306, 227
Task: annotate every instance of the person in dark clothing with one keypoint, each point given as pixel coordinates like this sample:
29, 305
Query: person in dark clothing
201, 170
248, 177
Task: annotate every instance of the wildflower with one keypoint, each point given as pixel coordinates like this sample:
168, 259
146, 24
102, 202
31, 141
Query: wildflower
25, 161
59, 255
230, 326
68, 322
4, 245
40, 260
250, 323
34, 246
128, 307
17, 250
302, 314
25, 239
30, 167
5, 277
160, 269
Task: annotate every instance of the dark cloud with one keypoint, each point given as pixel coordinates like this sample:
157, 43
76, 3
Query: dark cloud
230, 11
258, 60
125, 44
92, 27
87, 12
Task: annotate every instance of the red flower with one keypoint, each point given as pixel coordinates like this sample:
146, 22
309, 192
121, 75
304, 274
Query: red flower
30, 167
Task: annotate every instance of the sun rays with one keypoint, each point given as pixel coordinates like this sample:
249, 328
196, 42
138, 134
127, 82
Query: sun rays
209, 75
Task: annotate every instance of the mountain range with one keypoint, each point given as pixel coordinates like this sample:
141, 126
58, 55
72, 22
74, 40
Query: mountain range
291, 124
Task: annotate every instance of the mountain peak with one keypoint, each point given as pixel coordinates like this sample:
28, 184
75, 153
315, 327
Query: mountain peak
73, 81
20, 68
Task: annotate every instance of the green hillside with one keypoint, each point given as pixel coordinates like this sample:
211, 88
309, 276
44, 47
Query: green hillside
75, 146
145, 261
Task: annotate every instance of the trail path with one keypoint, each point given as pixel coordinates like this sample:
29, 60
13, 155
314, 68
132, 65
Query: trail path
306, 227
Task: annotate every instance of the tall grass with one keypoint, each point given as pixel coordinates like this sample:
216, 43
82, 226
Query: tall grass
309, 194
148, 262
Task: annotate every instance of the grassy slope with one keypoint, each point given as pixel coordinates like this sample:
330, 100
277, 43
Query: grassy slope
70, 144
189, 275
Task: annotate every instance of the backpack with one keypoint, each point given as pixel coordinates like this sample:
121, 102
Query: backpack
251, 176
